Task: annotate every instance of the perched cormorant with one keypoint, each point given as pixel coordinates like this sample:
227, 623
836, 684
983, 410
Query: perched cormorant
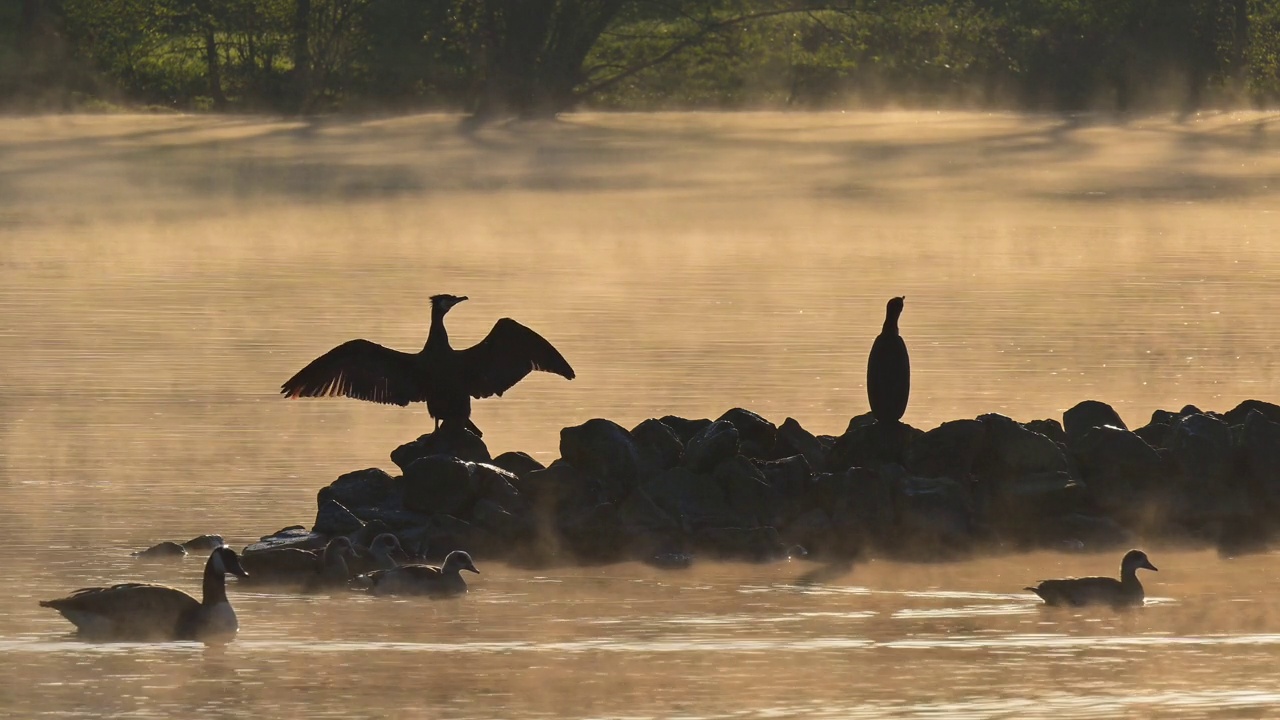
889, 369
444, 378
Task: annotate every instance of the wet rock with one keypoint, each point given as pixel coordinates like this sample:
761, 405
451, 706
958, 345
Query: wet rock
948, 450
1120, 470
684, 429
1022, 504
933, 517
1260, 458
860, 503
868, 444
605, 450
359, 489
204, 543
333, 518
517, 463
1012, 450
439, 484
1159, 431
1211, 493
757, 436
716, 443
747, 492
499, 487
659, 444
546, 488
669, 560
692, 499
392, 518
294, 536
1049, 428
641, 518
795, 440
505, 526
1240, 413
452, 441
791, 480
1089, 414
757, 544
162, 551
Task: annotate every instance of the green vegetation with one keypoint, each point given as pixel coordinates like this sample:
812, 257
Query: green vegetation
528, 57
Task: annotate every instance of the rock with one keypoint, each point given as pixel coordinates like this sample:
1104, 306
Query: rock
758, 544
1088, 532
669, 560
860, 503
517, 463
1024, 503
1210, 492
604, 450
791, 480
593, 533
334, 519
1089, 414
694, 500
505, 526
659, 444
948, 450
453, 441
364, 535
795, 440
932, 516
166, 550
1260, 458
812, 529
757, 436
1240, 413
747, 492
641, 518
294, 536
392, 518
499, 487
869, 444
1012, 450
684, 429
1155, 434
716, 443
359, 489
547, 488
204, 543
1049, 428
439, 485
1120, 470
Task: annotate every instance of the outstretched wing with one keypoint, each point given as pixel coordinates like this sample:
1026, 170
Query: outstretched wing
362, 370
508, 353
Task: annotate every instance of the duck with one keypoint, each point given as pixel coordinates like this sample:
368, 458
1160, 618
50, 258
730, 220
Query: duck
143, 611
1076, 592
380, 555
439, 582
331, 570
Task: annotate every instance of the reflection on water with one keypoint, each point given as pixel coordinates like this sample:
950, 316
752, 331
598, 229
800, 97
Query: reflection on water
160, 276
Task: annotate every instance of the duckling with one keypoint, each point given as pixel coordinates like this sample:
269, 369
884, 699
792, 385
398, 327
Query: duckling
444, 581
142, 611
1099, 590
380, 555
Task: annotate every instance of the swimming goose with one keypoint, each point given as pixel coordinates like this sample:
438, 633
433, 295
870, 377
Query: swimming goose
429, 580
142, 611
1099, 590
380, 555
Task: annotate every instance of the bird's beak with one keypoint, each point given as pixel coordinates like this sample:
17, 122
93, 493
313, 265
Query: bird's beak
464, 297
1149, 566
473, 569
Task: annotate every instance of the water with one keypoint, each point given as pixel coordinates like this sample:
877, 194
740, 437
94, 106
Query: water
160, 276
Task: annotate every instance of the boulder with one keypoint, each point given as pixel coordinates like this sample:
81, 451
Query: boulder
359, 489
1121, 471
439, 485
167, 550
791, 479
332, 518
659, 444
1240, 413
1260, 458
1021, 505
393, 518
694, 500
747, 492
714, 444
517, 463
1012, 450
592, 532
453, 441
1049, 428
294, 536
948, 450
868, 444
441, 535
795, 440
860, 503
1084, 532
684, 429
641, 519
548, 487
499, 487
502, 524
605, 450
1089, 414
1211, 493
757, 544
933, 518
756, 435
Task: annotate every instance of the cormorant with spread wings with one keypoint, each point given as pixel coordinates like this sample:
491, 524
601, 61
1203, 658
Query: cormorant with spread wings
444, 378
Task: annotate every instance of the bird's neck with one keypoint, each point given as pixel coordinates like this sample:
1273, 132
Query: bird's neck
215, 586
890, 326
1129, 577
438, 337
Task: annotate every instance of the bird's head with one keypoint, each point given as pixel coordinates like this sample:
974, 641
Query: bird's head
441, 304
894, 307
1135, 559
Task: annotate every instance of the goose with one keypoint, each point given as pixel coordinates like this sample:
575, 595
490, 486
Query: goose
443, 581
142, 611
1076, 592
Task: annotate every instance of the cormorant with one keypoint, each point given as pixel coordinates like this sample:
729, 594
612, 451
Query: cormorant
444, 378
889, 369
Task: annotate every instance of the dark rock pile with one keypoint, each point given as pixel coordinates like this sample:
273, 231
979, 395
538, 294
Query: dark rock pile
741, 488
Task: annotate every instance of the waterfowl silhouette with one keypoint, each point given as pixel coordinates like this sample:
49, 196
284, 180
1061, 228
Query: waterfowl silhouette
889, 369
142, 611
443, 581
444, 378
1076, 592
380, 555
331, 569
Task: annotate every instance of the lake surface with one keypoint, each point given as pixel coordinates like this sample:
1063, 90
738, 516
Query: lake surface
160, 276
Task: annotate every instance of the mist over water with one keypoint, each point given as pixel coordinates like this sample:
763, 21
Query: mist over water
161, 276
